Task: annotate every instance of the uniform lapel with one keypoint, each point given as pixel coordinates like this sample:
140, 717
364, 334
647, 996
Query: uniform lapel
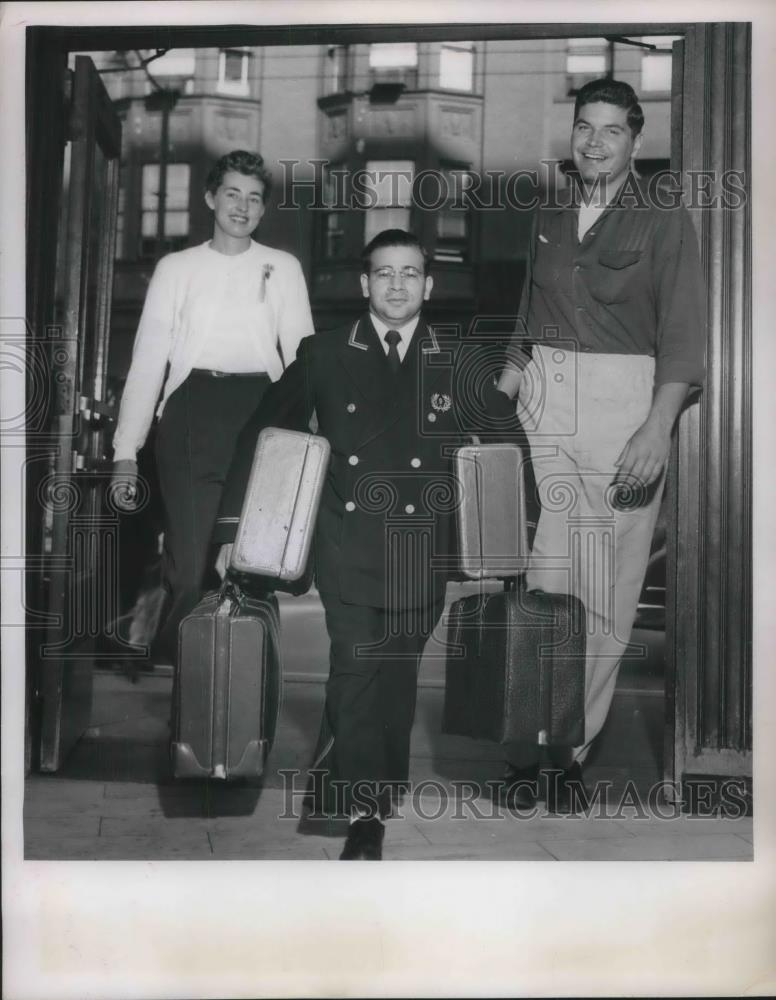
364, 360
434, 367
387, 397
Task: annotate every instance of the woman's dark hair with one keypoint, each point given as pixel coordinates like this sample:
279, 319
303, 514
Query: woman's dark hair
250, 164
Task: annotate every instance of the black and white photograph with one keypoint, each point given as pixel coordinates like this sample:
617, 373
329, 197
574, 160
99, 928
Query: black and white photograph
384, 479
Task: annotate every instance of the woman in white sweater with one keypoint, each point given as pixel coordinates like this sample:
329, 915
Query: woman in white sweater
220, 322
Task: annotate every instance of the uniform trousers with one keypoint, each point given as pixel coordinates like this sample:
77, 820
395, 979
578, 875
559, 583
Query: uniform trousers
593, 537
194, 448
364, 746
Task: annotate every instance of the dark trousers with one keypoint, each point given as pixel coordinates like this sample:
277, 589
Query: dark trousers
194, 448
364, 747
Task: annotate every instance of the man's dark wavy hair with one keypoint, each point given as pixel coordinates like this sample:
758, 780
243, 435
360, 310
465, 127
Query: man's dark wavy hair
612, 92
250, 164
393, 238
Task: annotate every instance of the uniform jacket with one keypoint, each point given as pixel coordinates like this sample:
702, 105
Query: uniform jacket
385, 528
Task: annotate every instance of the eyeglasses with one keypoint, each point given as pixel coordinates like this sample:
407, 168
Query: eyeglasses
407, 274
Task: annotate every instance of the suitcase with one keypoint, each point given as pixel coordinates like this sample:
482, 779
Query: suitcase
228, 687
277, 520
515, 668
492, 523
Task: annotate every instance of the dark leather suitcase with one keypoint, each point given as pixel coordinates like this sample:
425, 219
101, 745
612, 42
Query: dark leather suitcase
492, 523
228, 688
515, 668
272, 546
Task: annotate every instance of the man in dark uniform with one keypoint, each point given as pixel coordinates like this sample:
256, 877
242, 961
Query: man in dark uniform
385, 395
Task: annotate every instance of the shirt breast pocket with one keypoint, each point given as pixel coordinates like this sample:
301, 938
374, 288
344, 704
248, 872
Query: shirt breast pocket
547, 263
615, 275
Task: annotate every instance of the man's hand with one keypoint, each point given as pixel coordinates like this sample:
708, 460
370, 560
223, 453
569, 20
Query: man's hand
645, 455
509, 381
123, 484
224, 558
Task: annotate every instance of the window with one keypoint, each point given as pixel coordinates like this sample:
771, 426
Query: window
456, 66
334, 237
656, 64
336, 69
452, 220
395, 62
233, 72
656, 71
388, 186
333, 220
586, 59
175, 218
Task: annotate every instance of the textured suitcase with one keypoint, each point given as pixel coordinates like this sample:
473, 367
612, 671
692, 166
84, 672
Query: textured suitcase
228, 687
515, 668
492, 523
277, 520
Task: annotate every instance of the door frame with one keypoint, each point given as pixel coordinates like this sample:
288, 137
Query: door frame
70, 493
709, 712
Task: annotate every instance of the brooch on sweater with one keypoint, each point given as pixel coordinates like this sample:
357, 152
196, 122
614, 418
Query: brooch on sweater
266, 271
441, 402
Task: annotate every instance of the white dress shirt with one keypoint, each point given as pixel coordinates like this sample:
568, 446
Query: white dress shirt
405, 331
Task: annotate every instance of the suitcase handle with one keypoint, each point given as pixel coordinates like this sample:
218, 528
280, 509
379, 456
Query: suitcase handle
230, 590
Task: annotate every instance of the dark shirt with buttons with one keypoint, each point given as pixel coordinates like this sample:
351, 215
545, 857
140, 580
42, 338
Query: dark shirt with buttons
632, 285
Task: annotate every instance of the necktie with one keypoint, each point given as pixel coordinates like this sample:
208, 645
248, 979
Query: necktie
392, 338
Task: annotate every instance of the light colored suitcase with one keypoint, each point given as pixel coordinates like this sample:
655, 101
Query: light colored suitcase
492, 524
281, 503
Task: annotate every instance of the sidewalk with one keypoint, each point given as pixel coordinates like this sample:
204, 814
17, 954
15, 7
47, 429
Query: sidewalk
116, 799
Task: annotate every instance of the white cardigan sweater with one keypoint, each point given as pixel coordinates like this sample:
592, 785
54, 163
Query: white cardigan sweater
178, 314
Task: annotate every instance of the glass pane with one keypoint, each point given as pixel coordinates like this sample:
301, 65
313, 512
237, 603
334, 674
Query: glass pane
336, 65
586, 64
378, 219
456, 68
335, 237
233, 66
391, 181
451, 225
178, 185
176, 223
176, 62
656, 71
148, 224
390, 55
587, 43
150, 192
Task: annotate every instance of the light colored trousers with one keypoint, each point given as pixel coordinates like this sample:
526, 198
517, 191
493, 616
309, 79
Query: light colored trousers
579, 411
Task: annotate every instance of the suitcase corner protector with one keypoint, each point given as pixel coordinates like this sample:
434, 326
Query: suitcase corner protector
251, 764
185, 763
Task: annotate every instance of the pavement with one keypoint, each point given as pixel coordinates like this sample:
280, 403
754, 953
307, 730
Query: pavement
115, 797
